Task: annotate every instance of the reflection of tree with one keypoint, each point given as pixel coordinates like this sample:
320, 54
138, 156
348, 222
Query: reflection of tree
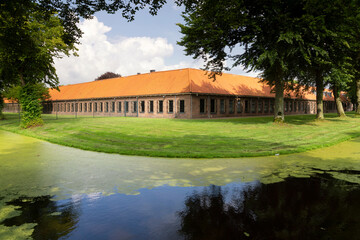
53, 222
298, 208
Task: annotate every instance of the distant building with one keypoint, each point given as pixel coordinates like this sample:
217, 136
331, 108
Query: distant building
184, 93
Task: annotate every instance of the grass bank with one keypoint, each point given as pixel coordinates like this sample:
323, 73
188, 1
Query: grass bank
214, 138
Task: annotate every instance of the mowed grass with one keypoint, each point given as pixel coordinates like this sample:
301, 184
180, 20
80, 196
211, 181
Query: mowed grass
209, 138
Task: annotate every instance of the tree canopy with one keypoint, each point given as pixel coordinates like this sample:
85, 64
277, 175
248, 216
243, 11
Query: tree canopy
284, 39
107, 75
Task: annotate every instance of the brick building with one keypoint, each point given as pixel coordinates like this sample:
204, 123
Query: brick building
184, 93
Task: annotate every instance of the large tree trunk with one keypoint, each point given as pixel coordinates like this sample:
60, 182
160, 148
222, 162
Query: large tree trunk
358, 97
339, 106
279, 101
319, 96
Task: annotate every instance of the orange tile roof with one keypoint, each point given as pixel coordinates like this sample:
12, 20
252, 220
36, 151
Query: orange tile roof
170, 82
9, 101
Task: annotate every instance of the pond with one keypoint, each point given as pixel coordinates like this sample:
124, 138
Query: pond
54, 192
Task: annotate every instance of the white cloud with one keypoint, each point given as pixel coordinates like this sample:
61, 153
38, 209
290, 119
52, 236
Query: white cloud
124, 55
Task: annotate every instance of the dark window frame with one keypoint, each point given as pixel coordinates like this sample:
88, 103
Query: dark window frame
119, 108
134, 103
151, 106
171, 106
126, 106
202, 105
212, 105
222, 106
101, 107
182, 106
160, 106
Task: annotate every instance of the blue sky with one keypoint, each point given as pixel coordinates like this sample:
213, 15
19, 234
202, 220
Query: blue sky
111, 43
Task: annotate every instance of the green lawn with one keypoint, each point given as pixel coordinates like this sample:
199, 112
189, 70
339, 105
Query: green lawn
213, 138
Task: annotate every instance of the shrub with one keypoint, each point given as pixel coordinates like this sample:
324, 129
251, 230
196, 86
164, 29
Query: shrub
31, 107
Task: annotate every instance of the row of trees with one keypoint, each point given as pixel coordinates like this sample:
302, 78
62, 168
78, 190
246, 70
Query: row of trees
311, 42
308, 42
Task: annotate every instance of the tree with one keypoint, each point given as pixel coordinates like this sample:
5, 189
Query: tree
34, 32
325, 49
338, 80
107, 75
283, 39
214, 29
29, 42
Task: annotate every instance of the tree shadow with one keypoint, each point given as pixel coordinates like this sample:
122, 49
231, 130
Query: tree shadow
319, 207
53, 221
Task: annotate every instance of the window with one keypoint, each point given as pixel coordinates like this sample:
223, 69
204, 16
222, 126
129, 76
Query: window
231, 105
302, 106
126, 106
72, 107
212, 105
151, 106
142, 106
182, 106
161, 106
271, 105
222, 106
112, 106
202, 105
90, 105
100, 106
85, 107
134, 107
239, 106
260, 106
119, 107
247, 106
76, 107
171, 106
106, 106
290, 106
286, 106
80, 107
295, 106
253, 106
266, 106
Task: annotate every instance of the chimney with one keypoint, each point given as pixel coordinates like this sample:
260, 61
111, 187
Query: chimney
138, 73
152, 70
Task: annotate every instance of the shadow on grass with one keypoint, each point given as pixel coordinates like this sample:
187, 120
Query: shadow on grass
289, 119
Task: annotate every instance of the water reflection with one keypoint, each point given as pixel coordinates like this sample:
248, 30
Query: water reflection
105, 196
318, 207
52, 220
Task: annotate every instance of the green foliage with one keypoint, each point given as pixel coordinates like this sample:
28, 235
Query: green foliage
1, 107
40, 89
30, 39
107, 75
30, 106
284, 40
13, 93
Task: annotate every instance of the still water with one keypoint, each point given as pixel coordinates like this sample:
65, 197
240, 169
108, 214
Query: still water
53, 192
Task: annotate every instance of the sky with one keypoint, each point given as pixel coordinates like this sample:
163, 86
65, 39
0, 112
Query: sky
112, 44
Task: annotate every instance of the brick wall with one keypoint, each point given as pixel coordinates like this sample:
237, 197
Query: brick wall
183, 106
